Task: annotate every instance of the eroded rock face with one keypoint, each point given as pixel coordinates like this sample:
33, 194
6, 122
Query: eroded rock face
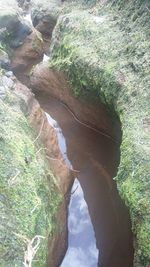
54, 83
31, 50
49, 139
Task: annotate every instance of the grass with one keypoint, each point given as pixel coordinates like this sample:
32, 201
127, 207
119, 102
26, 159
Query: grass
105, 54
28, 196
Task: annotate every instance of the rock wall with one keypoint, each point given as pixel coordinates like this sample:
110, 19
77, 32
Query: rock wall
45, 14
54, 83
34, 179
104, 53
32, 184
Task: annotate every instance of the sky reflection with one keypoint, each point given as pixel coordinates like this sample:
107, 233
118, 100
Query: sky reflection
60, 138
82, 251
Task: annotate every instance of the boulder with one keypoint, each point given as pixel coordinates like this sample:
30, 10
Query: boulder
44, 23
9, 18
44, 15
31, 50
19, 36
13, 27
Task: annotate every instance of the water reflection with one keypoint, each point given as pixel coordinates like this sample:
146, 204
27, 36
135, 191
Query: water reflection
82, 250
60, 138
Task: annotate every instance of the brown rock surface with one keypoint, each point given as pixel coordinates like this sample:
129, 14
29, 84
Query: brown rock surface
49, 81
31, 50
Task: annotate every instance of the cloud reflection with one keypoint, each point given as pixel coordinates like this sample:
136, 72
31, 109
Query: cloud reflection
82, 251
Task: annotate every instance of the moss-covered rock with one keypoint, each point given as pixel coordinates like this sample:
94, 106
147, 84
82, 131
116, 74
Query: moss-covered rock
13, 28
104, 52
45, 14
28, 196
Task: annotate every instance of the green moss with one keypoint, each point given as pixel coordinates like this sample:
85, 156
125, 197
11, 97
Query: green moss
28, 196
104, 53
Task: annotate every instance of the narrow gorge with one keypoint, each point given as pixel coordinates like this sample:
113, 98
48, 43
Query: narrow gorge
69, 197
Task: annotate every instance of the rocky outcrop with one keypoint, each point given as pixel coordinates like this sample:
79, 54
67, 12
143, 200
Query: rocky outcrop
54, 83
32, 50
45, 14
13, 28
19, 36
98, 53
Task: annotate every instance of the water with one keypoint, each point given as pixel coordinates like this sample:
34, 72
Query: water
61, 139
45, 58
81, 251
27, 17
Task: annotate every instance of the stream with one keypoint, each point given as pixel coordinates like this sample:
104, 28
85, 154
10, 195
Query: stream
99, 229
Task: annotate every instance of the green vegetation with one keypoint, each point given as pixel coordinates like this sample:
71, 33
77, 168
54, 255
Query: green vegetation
105, 53
28, 195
